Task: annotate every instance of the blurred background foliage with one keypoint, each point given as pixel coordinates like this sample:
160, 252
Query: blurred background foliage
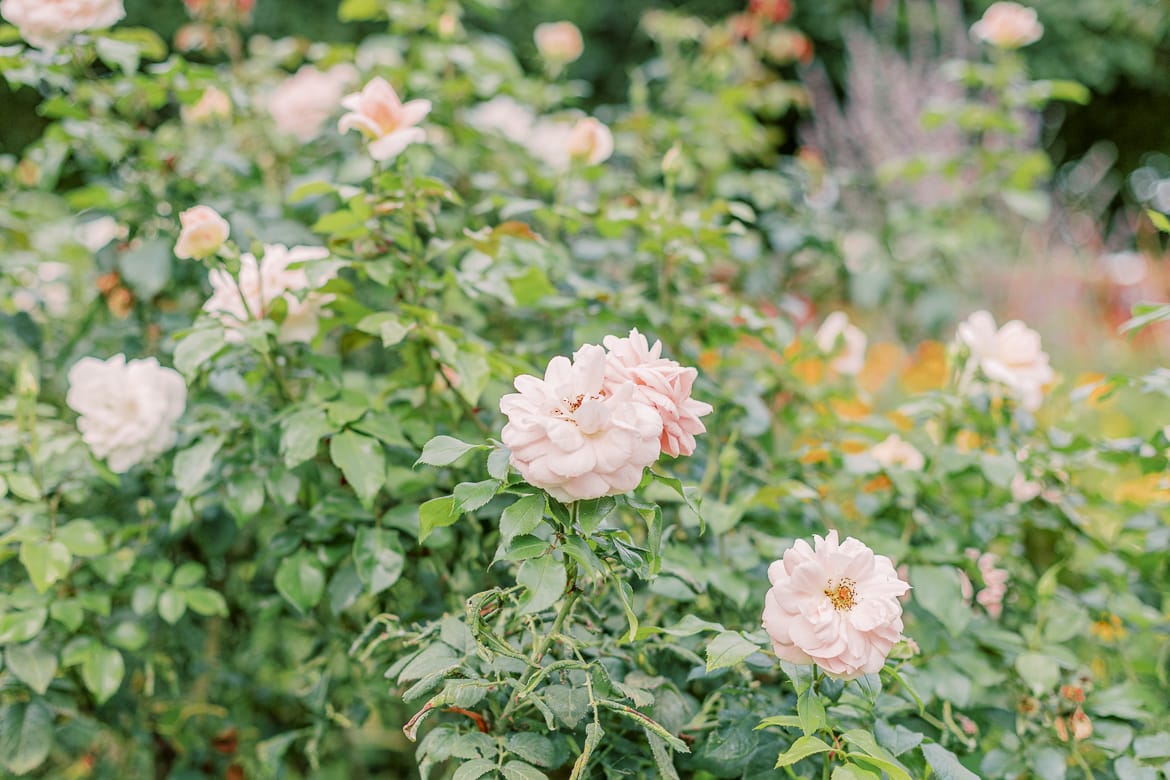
1120, 49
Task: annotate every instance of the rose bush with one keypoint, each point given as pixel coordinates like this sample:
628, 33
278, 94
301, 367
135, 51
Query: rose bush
376, 522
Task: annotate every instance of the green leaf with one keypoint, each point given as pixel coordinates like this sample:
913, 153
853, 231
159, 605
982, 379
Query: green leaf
82, 538
810, 711
445, 450
591, 513
189, 574
301, 580
522, 517
875, 754
937, 589
195, 350
26, 735
1159, 219
662, 757
118, 55
470, 496
146, 268
206, 601
377, 556
194, 463
999, 469
436, 513
801, 749
854, 772
21, 626
301, 433
385, 325
363, 463
531, 287
728, 649
946, 764
473, 770
32, 664
1040, 672
518, 770
102, 672
359, 10
545, 580
45, 562
536, 748
172, 605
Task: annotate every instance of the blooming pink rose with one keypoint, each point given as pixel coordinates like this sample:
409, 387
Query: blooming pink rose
574, 437
203, 233
49, 23
379, 115
558, 42
303, 102
1008, 25
837, 328
590, 141
260, 284
663, 383
1009, 356
836, 606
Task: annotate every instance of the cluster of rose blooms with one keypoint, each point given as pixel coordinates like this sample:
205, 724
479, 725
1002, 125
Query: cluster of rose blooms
592, 425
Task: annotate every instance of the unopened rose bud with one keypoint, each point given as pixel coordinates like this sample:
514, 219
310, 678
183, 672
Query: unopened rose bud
590, 141
203, 233
559, 43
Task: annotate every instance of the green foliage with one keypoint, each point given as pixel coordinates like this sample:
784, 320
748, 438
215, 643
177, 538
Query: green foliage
337, 572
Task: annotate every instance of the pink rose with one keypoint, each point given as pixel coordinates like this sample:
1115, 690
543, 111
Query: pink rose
203, 233
836, 606
574, 437
303, 102
590, 141
558, 42
261, 283
1010, 357
379, 115
212, 104
47, 24
894, 451
1008, 25
662, 383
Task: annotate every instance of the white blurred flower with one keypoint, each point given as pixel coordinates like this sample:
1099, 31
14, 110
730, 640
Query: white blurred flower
1024, 489
303, 102
260, 284
1008, 25
837, 328
1009, 356
47, 24
559, 43
388, 123
97, 233
128, 409
894, 451
502, 115
836, 606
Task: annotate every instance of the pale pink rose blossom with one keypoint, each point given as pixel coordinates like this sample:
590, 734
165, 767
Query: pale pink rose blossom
128, 410
573, 437
559, 43
303, 102
837, 332
203, 233
589, 141
387, 122
836, 606
894, 451
1008, 25
1024, 489
212, 104
260, 284
1010, 357
663, 383
995, 582
47, 24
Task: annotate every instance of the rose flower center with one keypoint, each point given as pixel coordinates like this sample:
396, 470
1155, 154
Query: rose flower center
843, 595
